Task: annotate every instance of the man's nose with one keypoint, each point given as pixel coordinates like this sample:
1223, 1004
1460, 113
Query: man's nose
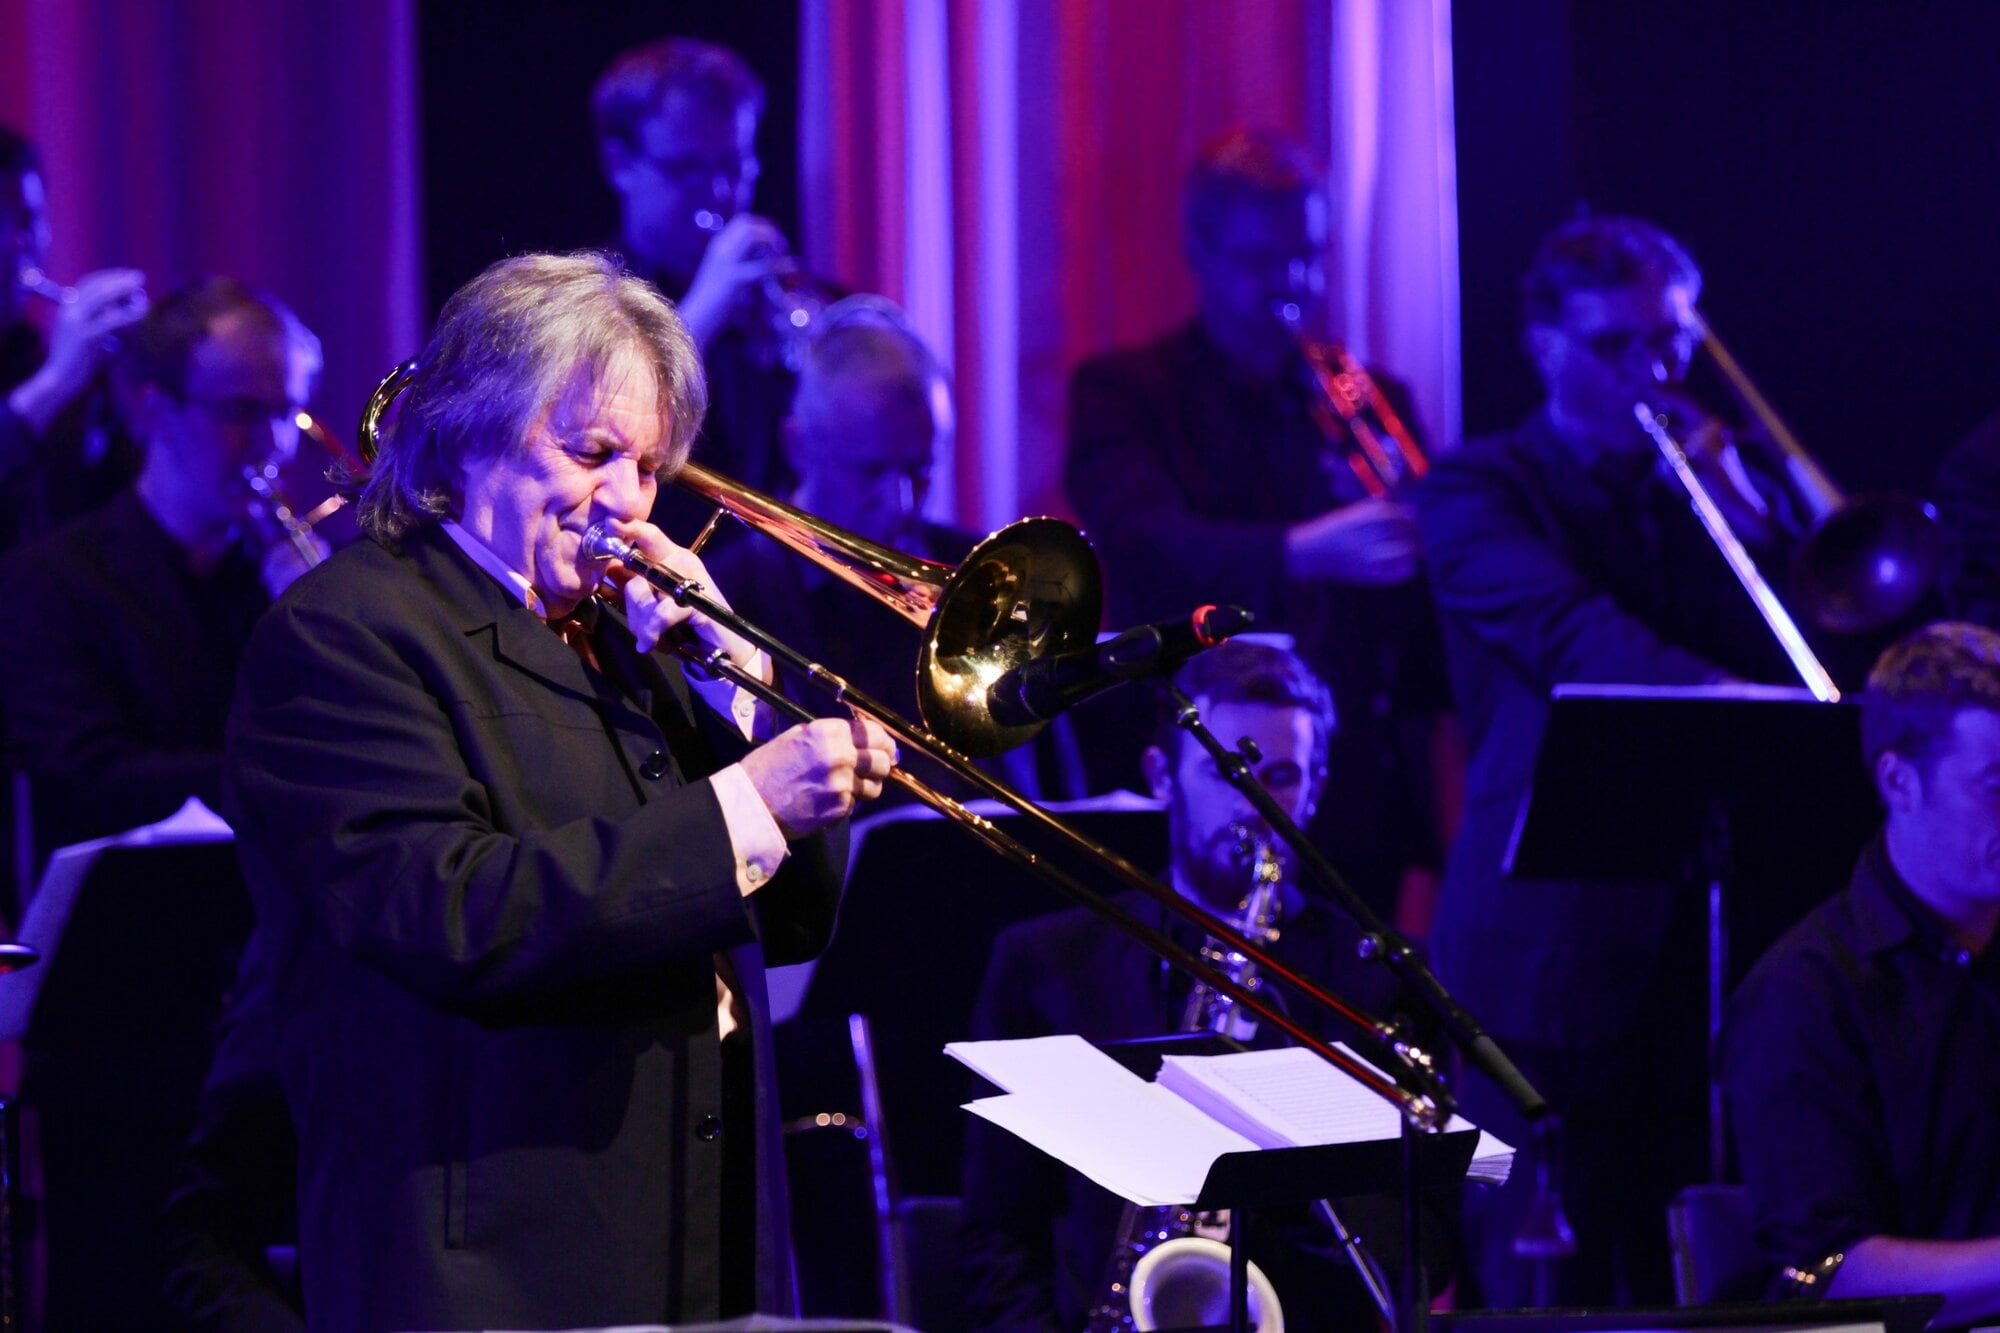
722, 193
624, 490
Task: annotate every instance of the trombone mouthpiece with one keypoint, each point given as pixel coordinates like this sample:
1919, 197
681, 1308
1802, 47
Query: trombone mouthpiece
600, 543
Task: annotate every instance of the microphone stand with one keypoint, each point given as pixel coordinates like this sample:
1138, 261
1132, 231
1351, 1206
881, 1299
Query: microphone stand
1382, 943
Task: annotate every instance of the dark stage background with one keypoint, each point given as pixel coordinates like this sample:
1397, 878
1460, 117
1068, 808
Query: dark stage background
508, 160
1832, 166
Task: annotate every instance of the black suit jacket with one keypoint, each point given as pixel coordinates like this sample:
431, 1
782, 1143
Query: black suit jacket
494, 914
116, 670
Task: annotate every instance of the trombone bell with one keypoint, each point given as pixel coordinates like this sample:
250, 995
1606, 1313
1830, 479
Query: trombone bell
1029, 590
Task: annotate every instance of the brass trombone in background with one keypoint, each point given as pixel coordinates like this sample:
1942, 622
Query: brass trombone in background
1863, 563
1027, 592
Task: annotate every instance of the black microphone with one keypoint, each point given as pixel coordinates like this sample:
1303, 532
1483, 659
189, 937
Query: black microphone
1037, 691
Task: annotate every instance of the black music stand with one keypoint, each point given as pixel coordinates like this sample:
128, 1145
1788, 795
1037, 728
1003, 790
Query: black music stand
1697, 784
922, 905
140, 935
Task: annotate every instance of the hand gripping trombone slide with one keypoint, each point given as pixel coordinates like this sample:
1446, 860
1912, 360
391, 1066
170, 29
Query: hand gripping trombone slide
1027, 590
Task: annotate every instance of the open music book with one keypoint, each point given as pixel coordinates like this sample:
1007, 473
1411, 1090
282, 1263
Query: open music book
1153, 1143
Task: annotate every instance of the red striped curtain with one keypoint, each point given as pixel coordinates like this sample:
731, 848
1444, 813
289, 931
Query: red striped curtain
276, 143
1010, 170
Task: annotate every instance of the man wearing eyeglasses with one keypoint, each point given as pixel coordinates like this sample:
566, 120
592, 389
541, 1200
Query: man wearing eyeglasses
1559, 553
117, 666
676, 126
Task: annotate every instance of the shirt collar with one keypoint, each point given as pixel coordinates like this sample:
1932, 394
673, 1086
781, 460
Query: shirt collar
1887, 913
515, 582
1620, 473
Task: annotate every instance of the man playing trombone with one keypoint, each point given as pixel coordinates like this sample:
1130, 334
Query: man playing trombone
1558, 553
520, 889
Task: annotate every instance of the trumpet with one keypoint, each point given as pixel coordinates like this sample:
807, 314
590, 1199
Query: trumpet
37, 281
1027, 591
1363, 430
271, 509
791, 298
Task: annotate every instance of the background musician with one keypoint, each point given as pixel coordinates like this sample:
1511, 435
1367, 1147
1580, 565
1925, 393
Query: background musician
1558, 553
117, 668
519, 888
1036, 1236
676, 127
1857, 1055
1203, 473
60, 454
873, 410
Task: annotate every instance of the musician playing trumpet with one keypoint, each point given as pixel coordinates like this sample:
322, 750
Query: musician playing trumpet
119, 662
1206, 469
58, 453
676, 127
116, 667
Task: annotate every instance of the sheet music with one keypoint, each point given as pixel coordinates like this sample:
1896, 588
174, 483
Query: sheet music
1083, 1108
1153, 1143
1291, 1098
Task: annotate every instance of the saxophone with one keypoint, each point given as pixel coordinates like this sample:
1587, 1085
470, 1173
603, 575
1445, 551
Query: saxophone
1169, 1265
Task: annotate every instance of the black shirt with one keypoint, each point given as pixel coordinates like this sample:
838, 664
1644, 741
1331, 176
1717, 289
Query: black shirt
1548, 570
1861, 1058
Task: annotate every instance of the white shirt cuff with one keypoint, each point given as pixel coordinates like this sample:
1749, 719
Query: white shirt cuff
740, 706
754, 835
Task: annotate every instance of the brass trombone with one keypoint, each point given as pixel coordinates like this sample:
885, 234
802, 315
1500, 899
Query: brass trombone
1029, 590
1862, 564
1865, 562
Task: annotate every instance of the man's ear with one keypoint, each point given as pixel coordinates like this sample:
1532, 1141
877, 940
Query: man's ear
1540, 342
1897, 782
614, 159
1158, 772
